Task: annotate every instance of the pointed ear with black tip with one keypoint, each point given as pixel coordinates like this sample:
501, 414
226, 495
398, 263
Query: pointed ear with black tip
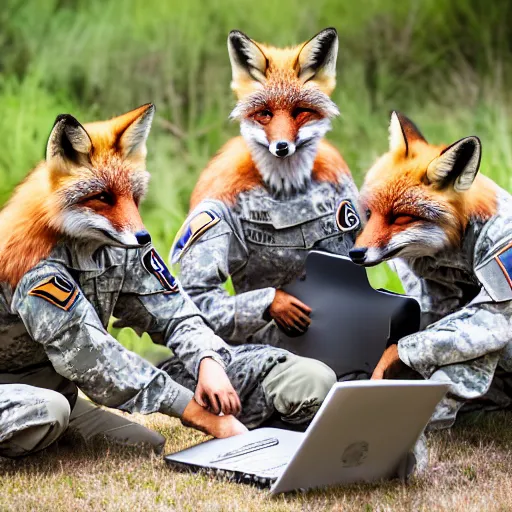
68, 145
456, 166
402, 133
317, 60
133, 131
248, 62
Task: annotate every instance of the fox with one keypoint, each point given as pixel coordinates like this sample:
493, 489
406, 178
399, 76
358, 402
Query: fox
284, 111
270, 195
447, 231
415, 202
74, 253
87, 189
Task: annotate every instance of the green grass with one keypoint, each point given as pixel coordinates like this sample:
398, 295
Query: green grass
470, 470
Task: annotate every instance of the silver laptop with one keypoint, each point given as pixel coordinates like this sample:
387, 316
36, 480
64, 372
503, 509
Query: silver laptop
351, 322
362, 433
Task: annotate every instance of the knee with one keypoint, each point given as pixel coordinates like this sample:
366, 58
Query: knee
312, 377
57, 409
44, 419
298, 387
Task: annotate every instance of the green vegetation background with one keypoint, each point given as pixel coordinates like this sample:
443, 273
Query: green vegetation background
446, 64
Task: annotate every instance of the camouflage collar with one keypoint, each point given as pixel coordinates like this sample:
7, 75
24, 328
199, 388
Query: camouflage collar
77, 257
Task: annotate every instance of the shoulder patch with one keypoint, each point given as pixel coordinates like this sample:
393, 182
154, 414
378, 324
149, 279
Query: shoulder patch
154, 264
191, 231
347, 218
58, 290
496, 275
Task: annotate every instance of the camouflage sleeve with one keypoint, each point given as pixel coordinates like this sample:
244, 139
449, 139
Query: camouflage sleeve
57, 315
467, 334
150, 301
205, 267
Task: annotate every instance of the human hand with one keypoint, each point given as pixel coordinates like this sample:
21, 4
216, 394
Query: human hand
196, 416
388, 361
214, 390
289, 312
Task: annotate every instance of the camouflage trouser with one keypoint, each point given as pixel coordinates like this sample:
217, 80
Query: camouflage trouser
498, 397
269, 380
37, 407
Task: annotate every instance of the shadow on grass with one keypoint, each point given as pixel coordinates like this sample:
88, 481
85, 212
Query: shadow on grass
71, 450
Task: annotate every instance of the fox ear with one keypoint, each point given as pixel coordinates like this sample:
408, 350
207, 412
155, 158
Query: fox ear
69, 144
317, 60
248, 62
132, 131
457, 165
402, 133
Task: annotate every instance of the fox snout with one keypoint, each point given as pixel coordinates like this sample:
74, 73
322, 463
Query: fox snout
143, 237
358, 255
282, 148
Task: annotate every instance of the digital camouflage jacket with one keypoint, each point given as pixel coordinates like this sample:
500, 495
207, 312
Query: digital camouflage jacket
261, 243
466, 300
59, 313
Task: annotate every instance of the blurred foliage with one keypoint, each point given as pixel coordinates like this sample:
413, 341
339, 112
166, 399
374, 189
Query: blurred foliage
446, 64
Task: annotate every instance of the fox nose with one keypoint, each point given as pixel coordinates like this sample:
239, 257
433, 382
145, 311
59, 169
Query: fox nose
143, 237
282, 148
358, 255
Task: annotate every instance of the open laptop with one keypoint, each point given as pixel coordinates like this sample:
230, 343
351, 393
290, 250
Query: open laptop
362, 433
351, 322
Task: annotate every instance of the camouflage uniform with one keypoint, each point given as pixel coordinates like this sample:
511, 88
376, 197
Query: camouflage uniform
53, 338
53, 335
466, 300
261, 243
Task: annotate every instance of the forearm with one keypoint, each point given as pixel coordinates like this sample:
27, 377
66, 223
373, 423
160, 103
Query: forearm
237, 317
468, 334
192, 341
111, 375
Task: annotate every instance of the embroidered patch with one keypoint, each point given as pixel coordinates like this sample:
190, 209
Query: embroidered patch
347, 218
504, 260
191, 231
58, 290
156, 266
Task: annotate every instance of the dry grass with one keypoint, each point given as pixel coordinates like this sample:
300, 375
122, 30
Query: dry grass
470, 469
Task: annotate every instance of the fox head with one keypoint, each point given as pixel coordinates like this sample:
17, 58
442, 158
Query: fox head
98, 177
284, 107
419, 197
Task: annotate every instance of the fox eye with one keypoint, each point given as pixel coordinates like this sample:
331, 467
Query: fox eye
263, 117
103, 197
368, 214
401, 219
304, 114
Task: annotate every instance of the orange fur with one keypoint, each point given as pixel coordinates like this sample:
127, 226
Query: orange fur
229, 173
329, 164
232, 171
30, 221
397, 177
288, 65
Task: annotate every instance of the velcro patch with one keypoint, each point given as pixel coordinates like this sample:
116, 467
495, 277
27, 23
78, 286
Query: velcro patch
58, 290
496, 275
347, 218
504, 260
154, 264
191, 231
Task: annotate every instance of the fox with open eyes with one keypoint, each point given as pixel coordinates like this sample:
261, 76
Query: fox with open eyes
270, 195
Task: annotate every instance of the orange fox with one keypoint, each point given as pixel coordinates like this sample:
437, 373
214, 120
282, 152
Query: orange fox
450, 231
87, 189
284, 112
271, 195
419, 198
